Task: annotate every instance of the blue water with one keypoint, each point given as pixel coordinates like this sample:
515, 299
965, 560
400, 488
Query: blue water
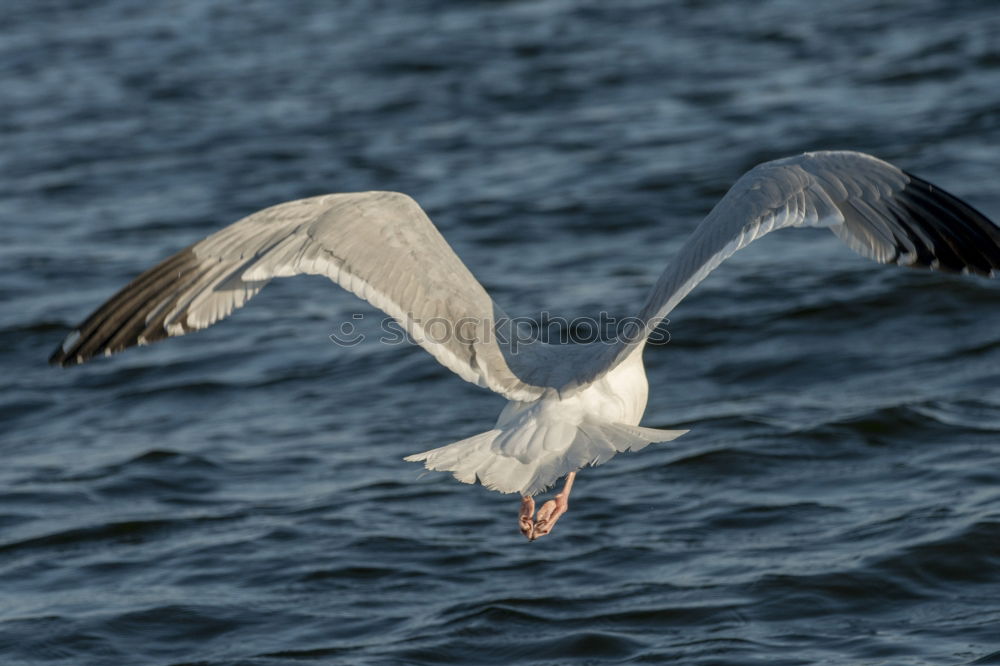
237, 496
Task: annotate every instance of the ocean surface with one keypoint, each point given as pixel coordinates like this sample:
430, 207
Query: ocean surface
238, 496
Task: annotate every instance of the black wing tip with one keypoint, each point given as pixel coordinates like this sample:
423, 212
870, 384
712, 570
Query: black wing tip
63, 355
962, 239
133, 316
67, 354
60, 360
949, 203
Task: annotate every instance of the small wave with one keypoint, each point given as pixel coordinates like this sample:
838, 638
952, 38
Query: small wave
894, 422
992, 658
762, 516
126, 531
855, 593
970, 555
973, 414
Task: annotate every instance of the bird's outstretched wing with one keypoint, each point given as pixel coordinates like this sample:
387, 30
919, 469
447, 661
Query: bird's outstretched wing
878, 210
378, 245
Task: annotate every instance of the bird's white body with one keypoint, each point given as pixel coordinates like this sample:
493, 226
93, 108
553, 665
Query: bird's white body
617, 397
534, 442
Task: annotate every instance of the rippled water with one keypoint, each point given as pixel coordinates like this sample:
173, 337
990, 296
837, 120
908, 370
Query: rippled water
238, 496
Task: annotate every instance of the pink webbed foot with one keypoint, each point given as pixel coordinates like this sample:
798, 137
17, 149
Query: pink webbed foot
533, 526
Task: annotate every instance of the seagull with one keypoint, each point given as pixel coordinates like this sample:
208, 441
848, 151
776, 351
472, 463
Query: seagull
569, 405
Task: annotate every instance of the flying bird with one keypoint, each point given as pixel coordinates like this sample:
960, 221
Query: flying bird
570, 405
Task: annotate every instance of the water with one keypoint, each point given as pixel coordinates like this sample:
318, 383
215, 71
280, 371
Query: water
238, 496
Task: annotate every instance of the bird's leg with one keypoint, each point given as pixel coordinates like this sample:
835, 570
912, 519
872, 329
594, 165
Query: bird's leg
548, 514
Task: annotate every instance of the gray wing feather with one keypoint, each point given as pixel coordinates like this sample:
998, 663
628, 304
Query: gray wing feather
878, 210
378, 245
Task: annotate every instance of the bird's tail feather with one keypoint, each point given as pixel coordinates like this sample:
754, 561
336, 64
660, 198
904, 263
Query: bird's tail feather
529, 460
